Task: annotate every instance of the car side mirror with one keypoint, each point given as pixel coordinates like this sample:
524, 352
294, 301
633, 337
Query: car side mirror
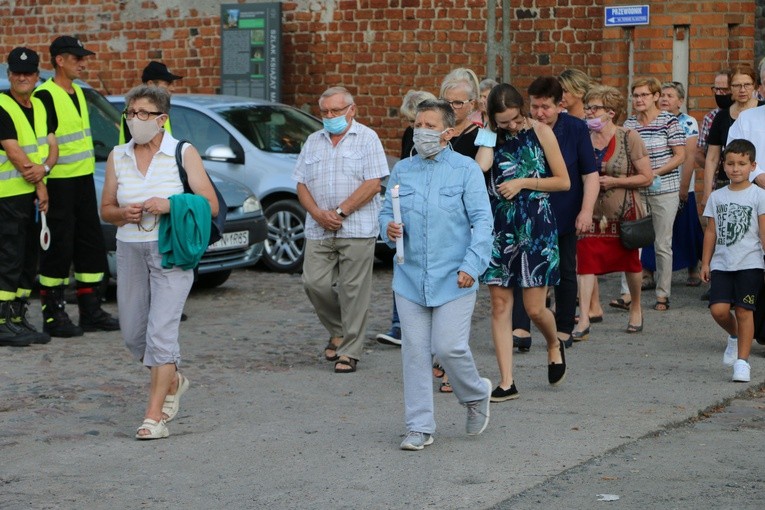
220, 153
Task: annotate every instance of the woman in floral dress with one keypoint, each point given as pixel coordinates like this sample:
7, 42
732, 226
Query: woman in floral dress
525, 164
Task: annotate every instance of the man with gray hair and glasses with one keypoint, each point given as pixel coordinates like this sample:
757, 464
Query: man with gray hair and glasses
339, 173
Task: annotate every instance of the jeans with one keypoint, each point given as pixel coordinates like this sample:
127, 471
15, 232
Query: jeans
445, 331
565, 291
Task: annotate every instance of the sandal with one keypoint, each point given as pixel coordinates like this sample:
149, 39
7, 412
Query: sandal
347, 362
438, 371
661, 306
157, 429
693, 281
331, 347
446, 387
594, 319
620, 304
173, 402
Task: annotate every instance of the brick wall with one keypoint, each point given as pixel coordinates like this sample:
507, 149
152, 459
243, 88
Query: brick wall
381, 48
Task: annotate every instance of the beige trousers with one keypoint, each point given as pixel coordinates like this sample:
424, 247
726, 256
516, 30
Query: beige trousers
337, 277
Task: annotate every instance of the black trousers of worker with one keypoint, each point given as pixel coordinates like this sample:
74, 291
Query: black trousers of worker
76, 236
19, 243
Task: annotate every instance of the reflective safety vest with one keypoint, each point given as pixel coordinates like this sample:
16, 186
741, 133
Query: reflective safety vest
75, 145
124, 128
34, 143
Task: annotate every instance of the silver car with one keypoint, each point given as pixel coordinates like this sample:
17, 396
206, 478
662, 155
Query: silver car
255, 142
245, 228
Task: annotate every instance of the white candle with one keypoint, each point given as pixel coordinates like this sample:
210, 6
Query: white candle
397, 218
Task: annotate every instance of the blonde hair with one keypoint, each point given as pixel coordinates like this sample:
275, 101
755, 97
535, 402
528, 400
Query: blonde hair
413, 98
575, 82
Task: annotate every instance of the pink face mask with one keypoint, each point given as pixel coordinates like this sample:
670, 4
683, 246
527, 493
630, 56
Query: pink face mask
596, 124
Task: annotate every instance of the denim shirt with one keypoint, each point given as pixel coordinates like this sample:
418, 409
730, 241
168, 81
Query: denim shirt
441, 199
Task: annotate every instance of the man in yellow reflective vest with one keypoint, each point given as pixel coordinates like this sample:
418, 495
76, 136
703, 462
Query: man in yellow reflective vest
27, 152
76, 236
156, 74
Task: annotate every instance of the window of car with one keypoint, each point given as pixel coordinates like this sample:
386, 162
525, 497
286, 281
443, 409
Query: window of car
104, 123
271, 128
201, 130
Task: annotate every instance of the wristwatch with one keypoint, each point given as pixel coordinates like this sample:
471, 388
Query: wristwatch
340, 213
47, 169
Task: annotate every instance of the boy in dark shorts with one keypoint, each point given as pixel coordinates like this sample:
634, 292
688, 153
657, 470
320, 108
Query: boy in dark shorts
733, 254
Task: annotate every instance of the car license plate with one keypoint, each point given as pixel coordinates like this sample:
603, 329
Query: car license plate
231, 240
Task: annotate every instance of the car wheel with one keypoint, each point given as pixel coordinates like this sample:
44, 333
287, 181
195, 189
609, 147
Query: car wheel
285, 245
211, 280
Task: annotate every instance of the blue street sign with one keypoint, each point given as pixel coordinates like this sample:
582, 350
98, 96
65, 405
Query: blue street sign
627, 15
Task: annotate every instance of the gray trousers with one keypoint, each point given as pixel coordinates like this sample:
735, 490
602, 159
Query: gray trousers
337, 277
445, 331
150, 299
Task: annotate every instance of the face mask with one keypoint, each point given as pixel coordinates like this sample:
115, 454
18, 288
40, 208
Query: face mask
335, 125
724, 101
427, 142
142, 131
595, 124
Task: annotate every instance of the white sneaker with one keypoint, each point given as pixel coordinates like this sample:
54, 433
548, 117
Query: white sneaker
741, 371
731, 352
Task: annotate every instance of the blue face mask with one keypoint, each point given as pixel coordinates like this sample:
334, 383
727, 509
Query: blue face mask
335, 125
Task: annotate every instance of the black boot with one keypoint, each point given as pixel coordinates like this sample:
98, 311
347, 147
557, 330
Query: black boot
19, 319
56, 322
92, 316
10, 335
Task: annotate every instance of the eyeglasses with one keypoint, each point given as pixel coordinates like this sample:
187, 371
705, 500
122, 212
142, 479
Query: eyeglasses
334, 111
641, 96
594, 108
141, 114
739, 86
720, 90
153, 226
457, 104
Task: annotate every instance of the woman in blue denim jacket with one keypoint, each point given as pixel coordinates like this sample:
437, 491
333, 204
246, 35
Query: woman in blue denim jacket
447, 232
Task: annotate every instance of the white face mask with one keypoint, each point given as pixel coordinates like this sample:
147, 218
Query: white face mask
143, 131
427, 141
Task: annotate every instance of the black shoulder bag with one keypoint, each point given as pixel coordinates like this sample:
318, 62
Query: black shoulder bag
218, 222
637, 233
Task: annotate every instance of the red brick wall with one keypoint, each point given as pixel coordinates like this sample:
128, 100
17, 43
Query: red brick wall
381, 48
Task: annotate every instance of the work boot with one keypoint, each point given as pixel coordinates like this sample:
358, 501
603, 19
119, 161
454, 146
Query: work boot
56, 322
10, 335
19, 309
92, 316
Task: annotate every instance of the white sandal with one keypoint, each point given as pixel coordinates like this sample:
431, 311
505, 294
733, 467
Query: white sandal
173, 402
157, 429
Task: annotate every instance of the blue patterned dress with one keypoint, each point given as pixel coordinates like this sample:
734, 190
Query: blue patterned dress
525, 250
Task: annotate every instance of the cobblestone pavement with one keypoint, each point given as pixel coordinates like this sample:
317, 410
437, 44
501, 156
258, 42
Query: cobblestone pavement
267, 424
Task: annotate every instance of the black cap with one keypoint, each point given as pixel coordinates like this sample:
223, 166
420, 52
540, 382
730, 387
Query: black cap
158, 71
23, 60
67, 44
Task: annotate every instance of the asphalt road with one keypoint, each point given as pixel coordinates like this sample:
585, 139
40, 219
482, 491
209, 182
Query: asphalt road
651, 418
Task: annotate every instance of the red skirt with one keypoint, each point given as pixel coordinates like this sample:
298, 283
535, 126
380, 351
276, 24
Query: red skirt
605, 254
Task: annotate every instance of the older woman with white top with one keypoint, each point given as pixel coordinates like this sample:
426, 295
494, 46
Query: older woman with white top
140, 177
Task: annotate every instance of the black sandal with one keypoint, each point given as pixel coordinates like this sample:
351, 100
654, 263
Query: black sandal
349, 362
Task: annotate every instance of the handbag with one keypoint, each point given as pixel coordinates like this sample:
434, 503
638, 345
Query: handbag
637, 233
217, 223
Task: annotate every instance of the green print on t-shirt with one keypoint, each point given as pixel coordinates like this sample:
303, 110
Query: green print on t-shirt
737, 219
